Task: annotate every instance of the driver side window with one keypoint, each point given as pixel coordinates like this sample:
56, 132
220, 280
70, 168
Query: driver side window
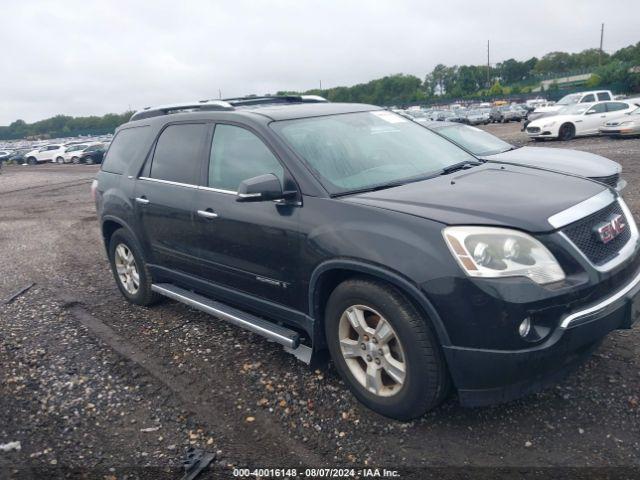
600, 108
237, 155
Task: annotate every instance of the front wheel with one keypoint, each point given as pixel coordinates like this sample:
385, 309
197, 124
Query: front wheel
567, 132
89, 161
32, 161
60, 160
385, 349
75, 160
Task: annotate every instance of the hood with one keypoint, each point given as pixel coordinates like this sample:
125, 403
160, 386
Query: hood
489, 194
563, 160
551, 108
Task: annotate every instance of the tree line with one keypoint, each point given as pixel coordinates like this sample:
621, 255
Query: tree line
619, 72
64, 126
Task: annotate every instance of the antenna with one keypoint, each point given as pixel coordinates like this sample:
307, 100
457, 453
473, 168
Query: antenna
601, 38
488, 67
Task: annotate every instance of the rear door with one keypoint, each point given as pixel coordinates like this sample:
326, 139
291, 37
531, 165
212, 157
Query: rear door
165, 196
249, 247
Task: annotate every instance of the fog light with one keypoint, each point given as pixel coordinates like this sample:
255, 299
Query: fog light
525, 327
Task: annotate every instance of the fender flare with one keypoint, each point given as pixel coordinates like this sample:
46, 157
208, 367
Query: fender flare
402, 283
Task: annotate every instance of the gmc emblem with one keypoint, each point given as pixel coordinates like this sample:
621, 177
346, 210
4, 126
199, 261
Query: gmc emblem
609, 230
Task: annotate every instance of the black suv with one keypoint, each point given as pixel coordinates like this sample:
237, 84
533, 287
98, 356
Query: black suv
349, 229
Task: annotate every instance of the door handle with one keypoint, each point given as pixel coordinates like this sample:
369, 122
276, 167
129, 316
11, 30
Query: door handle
208, 213
142, 200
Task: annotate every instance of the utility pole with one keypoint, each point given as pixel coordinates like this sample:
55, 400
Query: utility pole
320, 85
601, 38
488, 67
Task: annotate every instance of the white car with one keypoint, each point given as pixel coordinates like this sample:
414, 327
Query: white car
575, 98
580, 119
73, 152
46, 153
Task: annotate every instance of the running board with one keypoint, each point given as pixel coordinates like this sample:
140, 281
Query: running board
286, 337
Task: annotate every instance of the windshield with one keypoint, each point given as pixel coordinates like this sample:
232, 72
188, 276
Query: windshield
364, 150
569, 99
474, 140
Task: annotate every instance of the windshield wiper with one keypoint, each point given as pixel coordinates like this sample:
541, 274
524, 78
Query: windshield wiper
460, 166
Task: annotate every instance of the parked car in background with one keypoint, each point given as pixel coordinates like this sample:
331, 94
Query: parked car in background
568, 101
627, 126
489, 147
19, 156
458, 115
92, 154
579, 119
73, 152
478, 117
47, 153
507, 113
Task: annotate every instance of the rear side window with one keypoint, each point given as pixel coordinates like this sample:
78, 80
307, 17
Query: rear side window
237, 155
178, 154
615, 106
126, 146
604, 96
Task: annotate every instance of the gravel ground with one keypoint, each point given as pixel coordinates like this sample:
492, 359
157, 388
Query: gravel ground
93, 387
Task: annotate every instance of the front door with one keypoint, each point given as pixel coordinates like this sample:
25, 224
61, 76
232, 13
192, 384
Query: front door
592, 119
165, 197
249, 247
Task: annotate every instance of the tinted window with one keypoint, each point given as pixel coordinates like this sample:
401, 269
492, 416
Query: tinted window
599, 108
177, 156
126, 146
588, 98
604, 96
237, 155
615, 106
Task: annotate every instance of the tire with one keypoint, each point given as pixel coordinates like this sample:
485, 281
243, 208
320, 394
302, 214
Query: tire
567, 132
32, 161
60, 160
75, 160
89, 161
424, 379
142, 295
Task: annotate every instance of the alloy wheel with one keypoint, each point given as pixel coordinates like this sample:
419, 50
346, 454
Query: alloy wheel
372, 350
127, 269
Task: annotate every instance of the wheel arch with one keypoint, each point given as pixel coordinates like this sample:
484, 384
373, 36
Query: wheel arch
109, 225
328, 275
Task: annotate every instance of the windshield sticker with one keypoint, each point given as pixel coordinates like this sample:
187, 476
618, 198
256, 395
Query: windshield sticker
389, 117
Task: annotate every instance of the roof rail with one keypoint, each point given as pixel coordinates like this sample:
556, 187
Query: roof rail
149, 112
274, 99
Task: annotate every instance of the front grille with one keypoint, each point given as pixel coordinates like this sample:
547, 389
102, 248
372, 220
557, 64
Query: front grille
582, 233
611, 180
533, 129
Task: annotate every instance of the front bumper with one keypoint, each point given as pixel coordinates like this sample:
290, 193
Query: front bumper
485, 377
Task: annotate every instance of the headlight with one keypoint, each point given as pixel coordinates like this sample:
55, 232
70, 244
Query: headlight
491, 252
547, 125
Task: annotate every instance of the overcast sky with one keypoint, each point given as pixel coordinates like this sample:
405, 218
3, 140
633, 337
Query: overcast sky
94, 57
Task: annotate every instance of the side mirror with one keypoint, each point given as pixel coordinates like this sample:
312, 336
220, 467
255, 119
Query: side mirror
260, 189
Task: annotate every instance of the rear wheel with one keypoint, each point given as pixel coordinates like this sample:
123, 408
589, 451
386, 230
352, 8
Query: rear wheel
60, 160
75, 160
130, 270
567, 132
385, 349
89, 161
32, 160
